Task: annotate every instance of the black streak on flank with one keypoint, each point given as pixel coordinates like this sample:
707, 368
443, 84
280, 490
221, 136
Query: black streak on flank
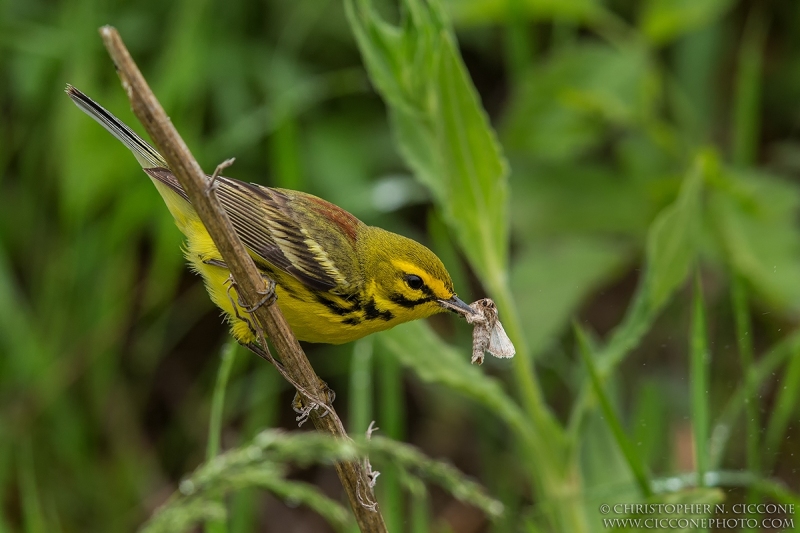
292, 293
371, 312
352, 321
402, 301
335, 308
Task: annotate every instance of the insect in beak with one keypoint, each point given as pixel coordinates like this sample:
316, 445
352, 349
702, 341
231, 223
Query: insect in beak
457, 305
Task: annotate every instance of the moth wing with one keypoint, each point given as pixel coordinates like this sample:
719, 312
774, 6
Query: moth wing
499, 343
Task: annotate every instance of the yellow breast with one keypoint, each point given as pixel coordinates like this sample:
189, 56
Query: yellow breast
313, 317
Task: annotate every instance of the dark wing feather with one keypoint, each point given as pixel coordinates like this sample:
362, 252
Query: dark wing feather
276, 227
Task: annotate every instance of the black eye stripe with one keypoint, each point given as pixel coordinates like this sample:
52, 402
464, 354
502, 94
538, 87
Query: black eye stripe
401, 300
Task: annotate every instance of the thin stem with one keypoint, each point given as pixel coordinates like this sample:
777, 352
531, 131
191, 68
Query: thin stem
250, 286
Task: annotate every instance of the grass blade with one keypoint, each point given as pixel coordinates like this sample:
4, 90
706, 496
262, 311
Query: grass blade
391, 421
416, 463
33, 518
218, 399
782, 412
747, 102
698, 379
360, 412
615, 425
215, 423
420, 514
518, 42
744, 340
764, 369
262, 464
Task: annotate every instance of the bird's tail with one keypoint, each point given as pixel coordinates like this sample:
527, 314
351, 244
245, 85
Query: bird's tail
147, 156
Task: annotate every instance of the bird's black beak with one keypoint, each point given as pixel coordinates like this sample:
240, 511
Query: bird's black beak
457, 305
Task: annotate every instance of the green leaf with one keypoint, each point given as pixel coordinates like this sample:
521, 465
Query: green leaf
754, 217
484, 12
563, 107
445, 137
672, 242
664, 20
670, 251
595, 203
553, 278
443, 132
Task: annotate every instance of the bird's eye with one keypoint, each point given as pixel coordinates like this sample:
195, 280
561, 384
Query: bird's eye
415, 282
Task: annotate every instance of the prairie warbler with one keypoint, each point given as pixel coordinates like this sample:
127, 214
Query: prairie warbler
336, 278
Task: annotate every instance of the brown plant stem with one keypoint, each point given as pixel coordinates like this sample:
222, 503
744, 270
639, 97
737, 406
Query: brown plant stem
250, 285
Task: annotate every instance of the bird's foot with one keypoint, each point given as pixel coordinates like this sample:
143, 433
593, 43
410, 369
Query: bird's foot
269, 296
304, 406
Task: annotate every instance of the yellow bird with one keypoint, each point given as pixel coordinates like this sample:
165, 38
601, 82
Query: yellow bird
337, 279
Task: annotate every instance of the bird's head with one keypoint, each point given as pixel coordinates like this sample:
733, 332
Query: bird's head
407, 278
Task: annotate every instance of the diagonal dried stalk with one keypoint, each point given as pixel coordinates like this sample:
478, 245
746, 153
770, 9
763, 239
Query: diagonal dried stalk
249, 283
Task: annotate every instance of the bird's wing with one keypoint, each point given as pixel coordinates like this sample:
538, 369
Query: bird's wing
302, 235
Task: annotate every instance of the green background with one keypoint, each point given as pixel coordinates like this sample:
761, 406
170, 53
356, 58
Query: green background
635, 218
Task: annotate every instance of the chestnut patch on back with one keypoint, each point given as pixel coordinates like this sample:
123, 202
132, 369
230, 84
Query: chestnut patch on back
347, 222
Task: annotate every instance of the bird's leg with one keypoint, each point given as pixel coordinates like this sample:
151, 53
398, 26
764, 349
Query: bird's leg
269, 298
300, 404
212, 183
303, 402
257, 349
303, 406
231, 283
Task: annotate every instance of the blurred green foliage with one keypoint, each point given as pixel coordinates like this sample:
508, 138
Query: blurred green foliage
576, 160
